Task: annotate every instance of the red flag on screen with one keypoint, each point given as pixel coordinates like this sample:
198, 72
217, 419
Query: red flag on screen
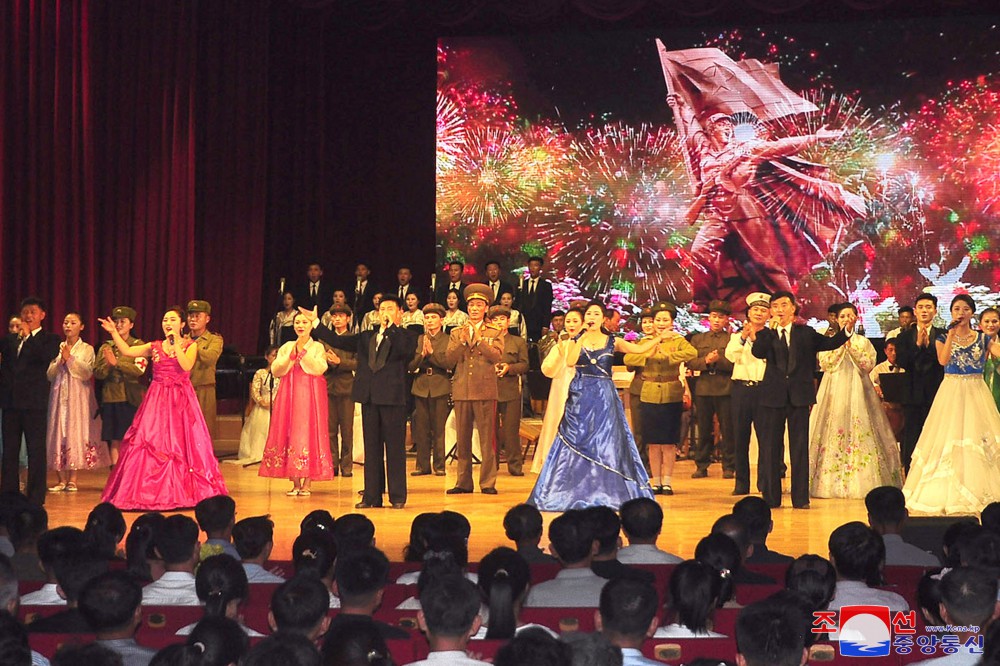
712, 82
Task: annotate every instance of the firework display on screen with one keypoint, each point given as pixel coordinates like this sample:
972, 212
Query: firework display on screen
845, 162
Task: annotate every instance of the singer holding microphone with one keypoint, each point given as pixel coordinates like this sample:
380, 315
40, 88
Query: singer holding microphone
166, 459
955, 466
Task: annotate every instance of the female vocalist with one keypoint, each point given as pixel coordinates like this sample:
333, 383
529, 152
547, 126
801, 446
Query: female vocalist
594, 460
166, 460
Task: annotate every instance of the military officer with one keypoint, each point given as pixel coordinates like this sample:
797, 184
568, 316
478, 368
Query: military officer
199, 315
512, 367
122, 390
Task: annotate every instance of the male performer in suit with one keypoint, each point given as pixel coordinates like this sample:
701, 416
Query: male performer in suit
534, 299
454, 281
404, 276
317, 292
512, 367
342, 362
431, 388
496, 284
363, 292
916, 352
199, 314
475, 350
121, 390
712, 390
24, 398
380, 387
787, 391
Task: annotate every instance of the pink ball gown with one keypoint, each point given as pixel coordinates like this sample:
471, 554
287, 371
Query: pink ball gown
166, 461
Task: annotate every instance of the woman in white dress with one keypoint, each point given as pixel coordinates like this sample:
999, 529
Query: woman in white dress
412, 314
262, 391
515, 324
280, 330
852, 448
453, 318
956, 463
554, 367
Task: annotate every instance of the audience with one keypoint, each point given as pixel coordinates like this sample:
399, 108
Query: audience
755, 515
27, 524
352, 531
10, 506
355, 642
112, 606
534, 647
572, 541
769, 634
52, 546
359, 582
733, 527
319, 519
105, 529
284, 649
814, 580
449, 615
523, 526
14, 650
627, 617
214, 641
597, 650
723, 555
607, 531
857, 554
141, 558
299, 606
72, 574
417, 545
642, 522
10, 601
216, 517
253, 539
176, 542
969, 602
221, 585
886, 514
504, 580
693, 594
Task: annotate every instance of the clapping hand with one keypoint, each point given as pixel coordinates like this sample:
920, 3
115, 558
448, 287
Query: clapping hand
65, 352
712, 356
109, 356
108, 324
332, 358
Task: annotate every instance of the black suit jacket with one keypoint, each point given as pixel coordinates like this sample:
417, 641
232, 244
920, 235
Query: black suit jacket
23, 384
361, 304
505, 287
536, 308
381, 375
409, 289
788, 377
323, 300
923, 372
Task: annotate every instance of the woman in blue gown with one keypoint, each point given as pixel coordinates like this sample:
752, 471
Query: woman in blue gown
593, 460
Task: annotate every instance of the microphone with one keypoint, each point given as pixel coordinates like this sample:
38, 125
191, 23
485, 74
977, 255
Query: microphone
281, 287
170, 338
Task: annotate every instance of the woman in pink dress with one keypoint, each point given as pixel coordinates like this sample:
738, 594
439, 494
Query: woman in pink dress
166, 460
298, 441
73, 439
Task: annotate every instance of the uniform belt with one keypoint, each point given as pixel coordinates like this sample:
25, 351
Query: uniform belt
432, 371
660, 378
746, 382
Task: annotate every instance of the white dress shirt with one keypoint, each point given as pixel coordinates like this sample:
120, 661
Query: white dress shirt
680, 631
884, 368
644, 553
448, 658
746, 366
46, 595
258, 574
174, 588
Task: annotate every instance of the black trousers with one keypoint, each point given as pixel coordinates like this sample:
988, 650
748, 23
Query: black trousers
384, 428
706, 407
913, 424
341, 419
30, 423
745, 413
771, 436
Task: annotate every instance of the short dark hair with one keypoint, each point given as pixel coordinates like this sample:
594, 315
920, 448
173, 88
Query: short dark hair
769, 634
571, 536
534, 647
905, 308
606, 526
733, 528
925, 296
813, 578
392, 298
356, 641
314, 551
503, 579
282, 647
522, 522
220, 580
491, 262
92, 654
456, 262
642, 518
755, 516
175, 539
72, 573
537, 258
886, 505
891, 342
956, 537
59, 543
693, 594
990, 517
360, 574
299, 604
215, 513
450, 604
105, 528
417, 545
857, 552
26, 524
33, 300
627, 607
783, 294
981, 550
109, 601
969, 594
219, 640
251, 536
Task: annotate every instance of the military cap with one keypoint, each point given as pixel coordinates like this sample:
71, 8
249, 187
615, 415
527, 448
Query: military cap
199, 306
435, 308
759, 298
340, 308
646, 313
664, 307
720, 306
123, 312
480, 291
499, 311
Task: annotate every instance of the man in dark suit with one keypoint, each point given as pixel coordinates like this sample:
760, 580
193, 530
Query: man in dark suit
512, 367
454, 281
363, 292
404, 276
534, 299
496, 284
24, 397
786, 392
380, 387
916, 352
317, 292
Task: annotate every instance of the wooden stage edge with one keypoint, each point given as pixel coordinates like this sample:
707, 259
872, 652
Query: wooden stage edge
688, 515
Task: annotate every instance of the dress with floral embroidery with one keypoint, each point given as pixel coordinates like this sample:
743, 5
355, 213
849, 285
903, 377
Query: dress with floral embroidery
956, 463
852, 448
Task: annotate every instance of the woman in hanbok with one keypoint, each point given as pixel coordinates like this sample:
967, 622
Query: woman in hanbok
263, 389
956, 463
280, 330
413, 316
167, 461
453, 317
852, 448
594, 460
298, 441
554, 367
516, 325
989, 323
73, 439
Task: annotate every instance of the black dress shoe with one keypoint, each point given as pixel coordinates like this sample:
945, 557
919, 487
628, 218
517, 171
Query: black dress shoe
740, 491
366, 505
398, 505
699, 474
438, 473
418, 472
489, 491
801, 506
728, 474
457, 491
347, 475
517, 473
666, 490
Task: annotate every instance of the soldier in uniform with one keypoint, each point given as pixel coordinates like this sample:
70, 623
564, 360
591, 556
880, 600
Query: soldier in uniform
199, 314
512, 366
712, 390
342, 361
431, 387
635, 391
474, 350
122, 391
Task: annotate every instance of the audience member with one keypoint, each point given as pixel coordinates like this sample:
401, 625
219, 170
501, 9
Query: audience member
929, 597
105, 529
25, 527
523, 525
886, 515
755, 516
504, 579
214, 641
814, 579
596, 650
285, 649
693, 594
572, 541
414, 550
359, 582
607, 531
222, 587
10, 505
449, 615
445, 533
14, 650
71, 654
969, 602
722, 554
253, 539
55, 545
9, 599
990, 517
769, 634
216, 517
141, 559
176, 541
642, 522
732, 527
314, 552
534, 647
355, 641
112, 606
72, 574
957, 534
857, 553
319, 519
300, 606
627, 617
353, 531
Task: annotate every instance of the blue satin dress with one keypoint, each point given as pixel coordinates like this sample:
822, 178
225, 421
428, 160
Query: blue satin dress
593, 460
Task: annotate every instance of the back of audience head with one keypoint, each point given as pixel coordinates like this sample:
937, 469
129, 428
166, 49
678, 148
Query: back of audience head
929, 597
220, 640
770, 634
571, 538
607, 527
449, 607
534, 647
361, 575
14, 650
886, 509
457, 522
9, 597
215, 515
722, 554
105, 529
813, 578
59, 543
176, 541
969, 597
26, 525
991, 646
254, 537
300, 605
320, 519
142, 560
594, 650
444, 534
93, 654
693, 594
73, 573
438, 564
733, 528
221, 584
11, 503
353, 530
523, 524
990, 517
314, 552
857, 553
642, 520
755, 516
981, 549
504, 577
282, 648
627, 611
417, 545
958, 533
355, 642
111, 602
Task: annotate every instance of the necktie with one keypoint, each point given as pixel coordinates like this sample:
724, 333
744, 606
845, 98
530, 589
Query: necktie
892, 368
784, 336
494, 286
313, 290
401, 292
531, 286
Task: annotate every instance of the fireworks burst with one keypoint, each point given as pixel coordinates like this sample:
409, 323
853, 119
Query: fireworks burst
450, 133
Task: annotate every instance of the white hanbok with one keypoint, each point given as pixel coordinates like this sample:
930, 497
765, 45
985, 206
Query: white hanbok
554, 367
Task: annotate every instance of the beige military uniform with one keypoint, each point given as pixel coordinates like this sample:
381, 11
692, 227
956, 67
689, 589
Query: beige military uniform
203, 375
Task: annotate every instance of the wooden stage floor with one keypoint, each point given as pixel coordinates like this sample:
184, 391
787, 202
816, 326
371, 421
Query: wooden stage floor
688, 515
